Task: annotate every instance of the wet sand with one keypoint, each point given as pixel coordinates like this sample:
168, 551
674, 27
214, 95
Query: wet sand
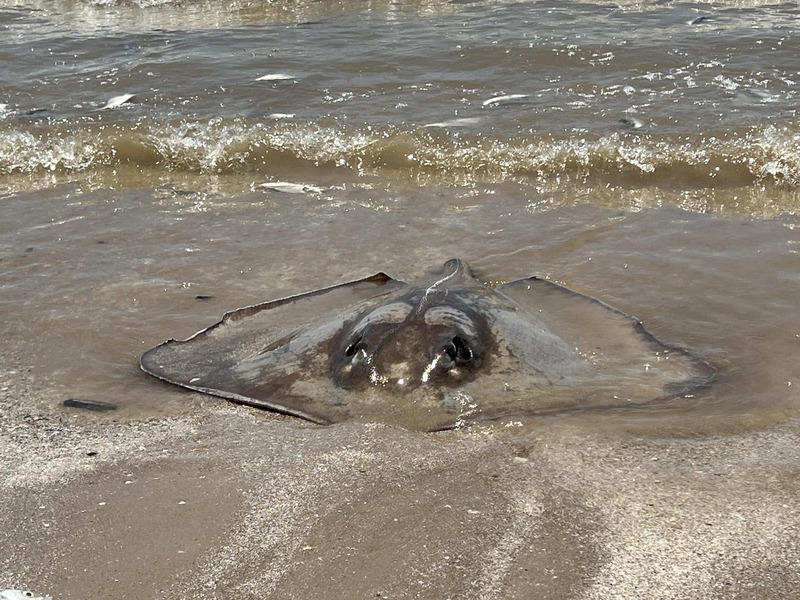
228, 501
178, 495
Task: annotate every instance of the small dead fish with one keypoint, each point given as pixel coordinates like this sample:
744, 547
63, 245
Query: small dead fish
117, 101
462, 122
276, 77
291, 188
504, 98
21, 595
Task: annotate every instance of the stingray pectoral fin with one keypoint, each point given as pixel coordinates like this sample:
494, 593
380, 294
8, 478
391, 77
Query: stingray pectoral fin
256, 355
624, 356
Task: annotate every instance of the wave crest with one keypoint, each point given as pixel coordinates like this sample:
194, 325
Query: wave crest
766, 156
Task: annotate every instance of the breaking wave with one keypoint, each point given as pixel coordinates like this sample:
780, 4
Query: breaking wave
768, 155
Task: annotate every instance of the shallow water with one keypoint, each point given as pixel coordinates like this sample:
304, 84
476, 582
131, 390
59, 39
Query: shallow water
647, 154
675, 95
90, 286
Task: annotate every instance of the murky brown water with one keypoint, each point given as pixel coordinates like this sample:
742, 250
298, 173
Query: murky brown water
647, 154
91, 285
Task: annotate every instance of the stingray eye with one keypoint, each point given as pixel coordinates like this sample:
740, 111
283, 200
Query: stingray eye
458, 350
354, 347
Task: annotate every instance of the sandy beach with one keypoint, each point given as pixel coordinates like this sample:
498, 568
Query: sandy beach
163, 162
232, 502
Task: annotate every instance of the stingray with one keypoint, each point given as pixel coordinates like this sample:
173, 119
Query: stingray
444, 353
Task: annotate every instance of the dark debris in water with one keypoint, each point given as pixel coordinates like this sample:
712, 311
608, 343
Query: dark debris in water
700, 20
89, 404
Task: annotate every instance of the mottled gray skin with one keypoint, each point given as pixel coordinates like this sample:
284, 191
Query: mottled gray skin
428, 336
428, 356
